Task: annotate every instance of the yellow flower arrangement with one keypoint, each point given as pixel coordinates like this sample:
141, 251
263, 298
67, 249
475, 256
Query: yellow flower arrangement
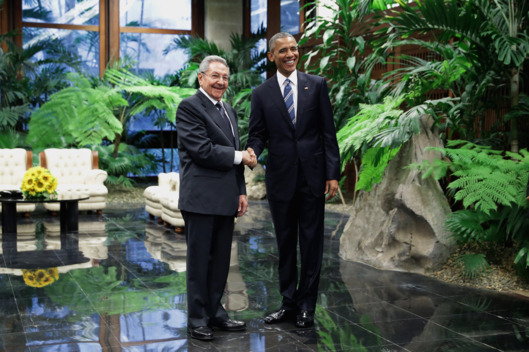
40, 277
38, 182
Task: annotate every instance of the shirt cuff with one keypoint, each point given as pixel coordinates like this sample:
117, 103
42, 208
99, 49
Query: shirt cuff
237, 159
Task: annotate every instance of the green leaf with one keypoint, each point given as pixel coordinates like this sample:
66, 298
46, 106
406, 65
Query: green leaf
323, 62
351, 62
328, 36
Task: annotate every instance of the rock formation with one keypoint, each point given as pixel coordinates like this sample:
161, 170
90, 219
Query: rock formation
399, 224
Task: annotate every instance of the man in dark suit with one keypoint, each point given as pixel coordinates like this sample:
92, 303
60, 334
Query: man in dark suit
291, 114
212, 193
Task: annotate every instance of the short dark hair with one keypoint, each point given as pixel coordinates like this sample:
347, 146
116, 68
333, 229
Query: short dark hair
204, 65
272, 41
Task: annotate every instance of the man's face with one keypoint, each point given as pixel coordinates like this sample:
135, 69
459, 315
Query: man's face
215, 80
285, 55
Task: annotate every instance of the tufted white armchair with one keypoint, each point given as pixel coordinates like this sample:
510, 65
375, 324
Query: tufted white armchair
77, 172
13, 164
161, 201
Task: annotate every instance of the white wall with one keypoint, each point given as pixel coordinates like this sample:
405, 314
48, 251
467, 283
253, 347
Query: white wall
221, 19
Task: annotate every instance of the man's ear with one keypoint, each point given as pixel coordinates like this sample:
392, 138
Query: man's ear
270, 56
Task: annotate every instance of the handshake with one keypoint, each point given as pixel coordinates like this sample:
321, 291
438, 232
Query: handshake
249, 158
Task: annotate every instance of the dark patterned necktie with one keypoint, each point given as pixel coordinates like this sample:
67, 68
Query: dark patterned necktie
288, 96
225, 118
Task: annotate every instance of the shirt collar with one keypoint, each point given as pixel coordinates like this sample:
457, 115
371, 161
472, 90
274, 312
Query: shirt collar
293, 78
213, 101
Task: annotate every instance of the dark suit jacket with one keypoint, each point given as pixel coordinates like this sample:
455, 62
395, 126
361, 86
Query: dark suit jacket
312, 142
209, 182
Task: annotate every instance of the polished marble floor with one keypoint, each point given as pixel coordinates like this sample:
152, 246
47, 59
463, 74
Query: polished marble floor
120, 286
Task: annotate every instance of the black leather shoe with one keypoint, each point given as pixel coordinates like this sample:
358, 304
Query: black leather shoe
201, 333
230, 325
304, 319
279, 316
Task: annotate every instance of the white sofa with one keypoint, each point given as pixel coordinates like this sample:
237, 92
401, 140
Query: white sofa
77, 172
161, 201
13, 164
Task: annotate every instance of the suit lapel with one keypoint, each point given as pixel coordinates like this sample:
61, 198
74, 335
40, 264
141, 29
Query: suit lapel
303, 98
214, 114
277, 99
233, 121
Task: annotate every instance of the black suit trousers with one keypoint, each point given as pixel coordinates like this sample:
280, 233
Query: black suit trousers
209, 240
301, 217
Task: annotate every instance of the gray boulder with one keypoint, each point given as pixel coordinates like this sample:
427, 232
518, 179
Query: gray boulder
400, 223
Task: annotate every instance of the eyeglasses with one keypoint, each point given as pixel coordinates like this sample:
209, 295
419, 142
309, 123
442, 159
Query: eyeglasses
217, 77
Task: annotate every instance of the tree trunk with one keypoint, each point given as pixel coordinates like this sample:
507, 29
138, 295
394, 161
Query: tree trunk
117, 141
515, 92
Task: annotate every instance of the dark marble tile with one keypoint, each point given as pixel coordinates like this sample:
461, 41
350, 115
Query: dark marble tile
130, 295
451, 344
517, 341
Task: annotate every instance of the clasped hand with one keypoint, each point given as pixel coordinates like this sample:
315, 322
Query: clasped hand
249, 158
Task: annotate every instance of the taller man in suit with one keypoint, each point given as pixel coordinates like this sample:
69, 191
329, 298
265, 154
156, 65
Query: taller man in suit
291, 114
212, 193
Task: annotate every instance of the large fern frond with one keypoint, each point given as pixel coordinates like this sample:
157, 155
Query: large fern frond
80, 115
158, 97
485, 179
360, 131
374, 162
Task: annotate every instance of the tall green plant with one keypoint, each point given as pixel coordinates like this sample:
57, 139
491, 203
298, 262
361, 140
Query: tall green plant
342, 55
493, 36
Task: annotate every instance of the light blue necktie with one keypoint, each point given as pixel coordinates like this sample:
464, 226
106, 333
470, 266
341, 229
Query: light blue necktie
288, 96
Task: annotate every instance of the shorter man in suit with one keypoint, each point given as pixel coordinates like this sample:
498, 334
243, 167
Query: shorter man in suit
212, 193
292, 115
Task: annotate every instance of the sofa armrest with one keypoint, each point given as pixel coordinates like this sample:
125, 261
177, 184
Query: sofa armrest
174, 182
95, 177
164, 180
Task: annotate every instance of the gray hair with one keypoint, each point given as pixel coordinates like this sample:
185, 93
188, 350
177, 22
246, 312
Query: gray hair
204, 65
272, 41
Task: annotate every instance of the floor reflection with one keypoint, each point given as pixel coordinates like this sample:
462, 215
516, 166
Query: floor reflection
119, 285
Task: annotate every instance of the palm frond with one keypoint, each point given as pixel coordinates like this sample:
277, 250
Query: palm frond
475, 265
466, 226
450, 18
